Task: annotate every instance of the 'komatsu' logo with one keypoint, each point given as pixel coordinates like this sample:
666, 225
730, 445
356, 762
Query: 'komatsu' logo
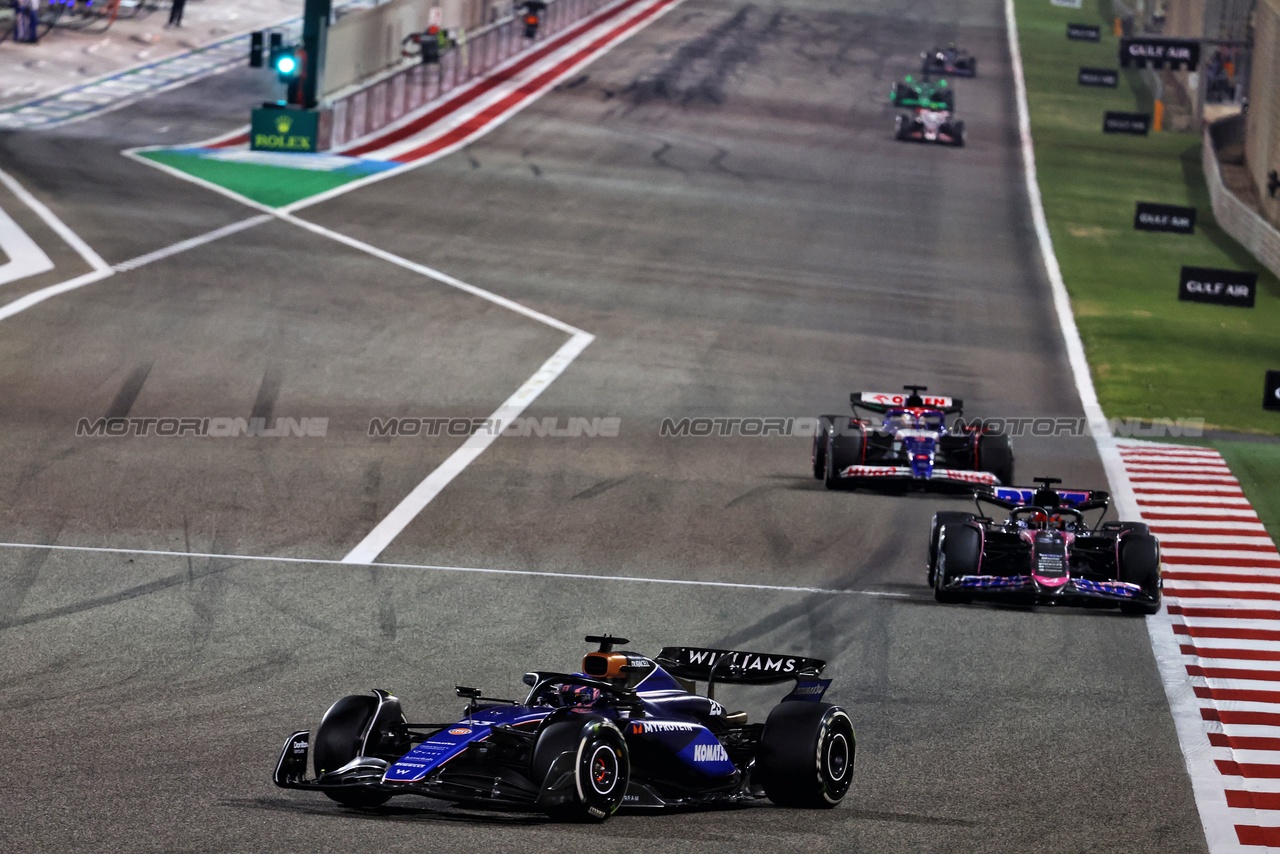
709, 753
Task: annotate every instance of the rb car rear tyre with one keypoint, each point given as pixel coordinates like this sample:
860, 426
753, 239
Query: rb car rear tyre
338, 741
806, 755
995, 456
1140, 564
843, 451
825, 426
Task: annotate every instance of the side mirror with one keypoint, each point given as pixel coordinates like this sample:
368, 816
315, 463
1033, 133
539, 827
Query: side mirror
530, 679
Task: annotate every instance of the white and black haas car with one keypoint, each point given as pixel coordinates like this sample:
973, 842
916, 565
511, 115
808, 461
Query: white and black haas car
628, 731
908, 445
1044, 552
929, 125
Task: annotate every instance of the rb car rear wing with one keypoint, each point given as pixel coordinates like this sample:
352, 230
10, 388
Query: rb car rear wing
882, 401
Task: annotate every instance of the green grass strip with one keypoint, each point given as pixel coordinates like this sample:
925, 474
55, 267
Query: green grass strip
275, 186
1151, 356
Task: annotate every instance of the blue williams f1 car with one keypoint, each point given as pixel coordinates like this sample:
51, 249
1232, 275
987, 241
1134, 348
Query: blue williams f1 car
910, 445
628, 731
1044, 553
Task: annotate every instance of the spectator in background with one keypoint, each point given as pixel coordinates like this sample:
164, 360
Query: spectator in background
175, 13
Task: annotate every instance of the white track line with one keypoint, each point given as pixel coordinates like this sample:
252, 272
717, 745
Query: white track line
408, 509
1215, 816
26, 258
778, 588
93, 259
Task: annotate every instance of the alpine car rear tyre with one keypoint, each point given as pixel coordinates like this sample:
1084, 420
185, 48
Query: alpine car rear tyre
338, 741
959, 554
806, 755
601, 767
995, 456
941, 518
1140, 564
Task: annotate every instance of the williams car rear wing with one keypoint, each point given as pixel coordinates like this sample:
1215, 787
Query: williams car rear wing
735, 667
881, 401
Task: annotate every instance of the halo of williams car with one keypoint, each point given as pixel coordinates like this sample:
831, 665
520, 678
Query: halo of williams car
628, 730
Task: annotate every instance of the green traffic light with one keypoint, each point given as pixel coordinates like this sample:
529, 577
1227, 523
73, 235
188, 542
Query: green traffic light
286, 64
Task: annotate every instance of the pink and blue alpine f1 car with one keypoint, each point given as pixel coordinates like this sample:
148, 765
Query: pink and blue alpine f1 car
1044, 552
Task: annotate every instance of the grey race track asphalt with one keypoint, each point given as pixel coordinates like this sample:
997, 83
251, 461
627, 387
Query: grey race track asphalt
720, 202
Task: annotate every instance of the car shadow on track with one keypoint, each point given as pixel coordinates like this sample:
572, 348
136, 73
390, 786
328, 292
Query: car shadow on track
922, 595
327, 809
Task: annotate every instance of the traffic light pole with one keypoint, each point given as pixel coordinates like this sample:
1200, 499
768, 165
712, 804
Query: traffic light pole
315, 33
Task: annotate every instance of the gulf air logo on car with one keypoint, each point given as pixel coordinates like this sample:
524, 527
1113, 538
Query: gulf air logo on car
709, 753
461, 730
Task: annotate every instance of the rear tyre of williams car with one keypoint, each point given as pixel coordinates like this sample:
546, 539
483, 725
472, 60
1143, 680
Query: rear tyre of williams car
806, 755
338, 741
959, 553
600, 766
1140, 564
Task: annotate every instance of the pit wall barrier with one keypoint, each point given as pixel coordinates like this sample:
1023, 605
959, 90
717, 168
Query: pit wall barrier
1237, 219
375, 104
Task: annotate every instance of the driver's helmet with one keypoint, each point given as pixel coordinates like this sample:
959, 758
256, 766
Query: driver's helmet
1036, 519
901, 421
577, 695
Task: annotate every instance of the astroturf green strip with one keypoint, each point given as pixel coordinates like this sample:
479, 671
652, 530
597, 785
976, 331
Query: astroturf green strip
275, 186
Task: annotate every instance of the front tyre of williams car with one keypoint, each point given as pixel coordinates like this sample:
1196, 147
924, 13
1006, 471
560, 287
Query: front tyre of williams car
600, 767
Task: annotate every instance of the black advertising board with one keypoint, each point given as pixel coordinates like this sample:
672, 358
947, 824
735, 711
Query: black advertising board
1158, 53
1149, 216
1271, 398
1221, 287
1107, 77
1134, 123
1084, 32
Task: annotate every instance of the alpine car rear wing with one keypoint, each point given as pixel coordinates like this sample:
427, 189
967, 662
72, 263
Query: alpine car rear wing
735, 667
1011, 497
910, 397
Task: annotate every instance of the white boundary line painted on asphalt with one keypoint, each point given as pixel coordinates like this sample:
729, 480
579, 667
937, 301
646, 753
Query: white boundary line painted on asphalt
26, 258
412, 504
93, 259
582, 576
431, 273
1206, 782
